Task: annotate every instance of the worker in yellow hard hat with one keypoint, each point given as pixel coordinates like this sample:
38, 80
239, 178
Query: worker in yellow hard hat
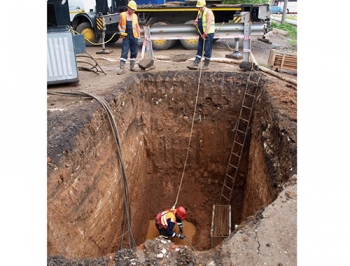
129, 29
205, 23
165, 222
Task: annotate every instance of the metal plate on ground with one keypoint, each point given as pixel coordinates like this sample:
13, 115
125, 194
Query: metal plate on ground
61, 61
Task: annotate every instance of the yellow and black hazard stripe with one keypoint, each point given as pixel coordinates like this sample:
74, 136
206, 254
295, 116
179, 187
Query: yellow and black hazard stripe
100, 22
237, 18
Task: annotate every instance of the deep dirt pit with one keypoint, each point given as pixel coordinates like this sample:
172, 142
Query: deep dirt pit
153, 113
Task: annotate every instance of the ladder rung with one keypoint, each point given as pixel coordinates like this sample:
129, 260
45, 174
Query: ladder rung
244, 119
237, 155
241, 144
253, 82
240, 131
251, 95
232, 178
227, 187
246, 107
230, 164
229, 176
222, 195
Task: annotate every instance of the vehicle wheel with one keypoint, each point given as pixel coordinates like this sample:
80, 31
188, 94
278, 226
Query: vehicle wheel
113, 40
162, 44
190, 44
89, 33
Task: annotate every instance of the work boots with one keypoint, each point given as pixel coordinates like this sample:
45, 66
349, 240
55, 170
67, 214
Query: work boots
206, 64
122, 68
195, 63
132, 66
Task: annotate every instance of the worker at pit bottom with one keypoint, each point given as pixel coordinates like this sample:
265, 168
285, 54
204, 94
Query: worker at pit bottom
165, 222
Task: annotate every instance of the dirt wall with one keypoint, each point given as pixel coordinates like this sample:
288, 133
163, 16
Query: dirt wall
273, 149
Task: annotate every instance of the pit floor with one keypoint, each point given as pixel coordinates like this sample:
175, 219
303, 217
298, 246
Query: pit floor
189, 232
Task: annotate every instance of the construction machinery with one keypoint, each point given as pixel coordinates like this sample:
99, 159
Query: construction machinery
98, 20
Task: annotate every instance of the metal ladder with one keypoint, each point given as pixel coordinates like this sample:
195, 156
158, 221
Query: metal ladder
241, 129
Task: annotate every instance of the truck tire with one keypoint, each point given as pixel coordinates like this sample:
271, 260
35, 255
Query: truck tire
162, 44
89, 33
189, 44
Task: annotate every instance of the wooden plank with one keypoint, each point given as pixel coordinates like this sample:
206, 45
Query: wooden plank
282, 60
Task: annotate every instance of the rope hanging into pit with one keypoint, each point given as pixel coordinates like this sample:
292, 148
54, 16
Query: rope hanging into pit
189, 141
127, 216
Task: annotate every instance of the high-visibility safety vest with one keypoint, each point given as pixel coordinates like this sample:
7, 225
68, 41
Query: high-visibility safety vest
134, 23
204, 22
165, 216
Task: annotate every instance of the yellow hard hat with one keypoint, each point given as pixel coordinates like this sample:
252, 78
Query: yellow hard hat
201, 3
132, 5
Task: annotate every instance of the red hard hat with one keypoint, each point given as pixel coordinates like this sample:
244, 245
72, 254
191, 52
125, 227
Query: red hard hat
181, 212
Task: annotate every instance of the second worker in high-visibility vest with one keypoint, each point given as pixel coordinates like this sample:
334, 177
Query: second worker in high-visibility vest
129, 29
205, 24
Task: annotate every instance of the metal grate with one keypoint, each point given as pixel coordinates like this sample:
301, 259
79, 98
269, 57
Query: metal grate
220, 224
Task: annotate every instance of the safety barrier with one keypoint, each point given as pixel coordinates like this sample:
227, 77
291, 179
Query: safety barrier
188, 31
223, 31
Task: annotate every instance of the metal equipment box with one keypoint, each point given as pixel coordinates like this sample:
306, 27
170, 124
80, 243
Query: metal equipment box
79, 44
264, 12
61, 60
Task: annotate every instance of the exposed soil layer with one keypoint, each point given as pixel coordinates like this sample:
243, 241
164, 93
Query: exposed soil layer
153, 112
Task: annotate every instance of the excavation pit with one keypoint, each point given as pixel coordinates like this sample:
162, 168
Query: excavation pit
154, 116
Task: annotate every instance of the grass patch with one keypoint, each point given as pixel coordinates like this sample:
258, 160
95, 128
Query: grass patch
292, 31
291, 17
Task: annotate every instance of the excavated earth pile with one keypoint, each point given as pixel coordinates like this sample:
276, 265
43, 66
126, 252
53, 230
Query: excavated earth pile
154, 113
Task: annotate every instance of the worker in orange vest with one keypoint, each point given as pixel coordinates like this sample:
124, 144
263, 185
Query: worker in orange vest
130, 33
165, 222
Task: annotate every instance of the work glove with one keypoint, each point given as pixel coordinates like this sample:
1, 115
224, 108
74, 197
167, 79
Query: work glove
180, 236
204, 36
123, 33
139, 41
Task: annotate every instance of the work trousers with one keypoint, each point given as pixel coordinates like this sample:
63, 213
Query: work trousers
162, 231
129, 42
208, 46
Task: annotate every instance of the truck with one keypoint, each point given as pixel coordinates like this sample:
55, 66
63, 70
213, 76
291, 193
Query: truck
85, 14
